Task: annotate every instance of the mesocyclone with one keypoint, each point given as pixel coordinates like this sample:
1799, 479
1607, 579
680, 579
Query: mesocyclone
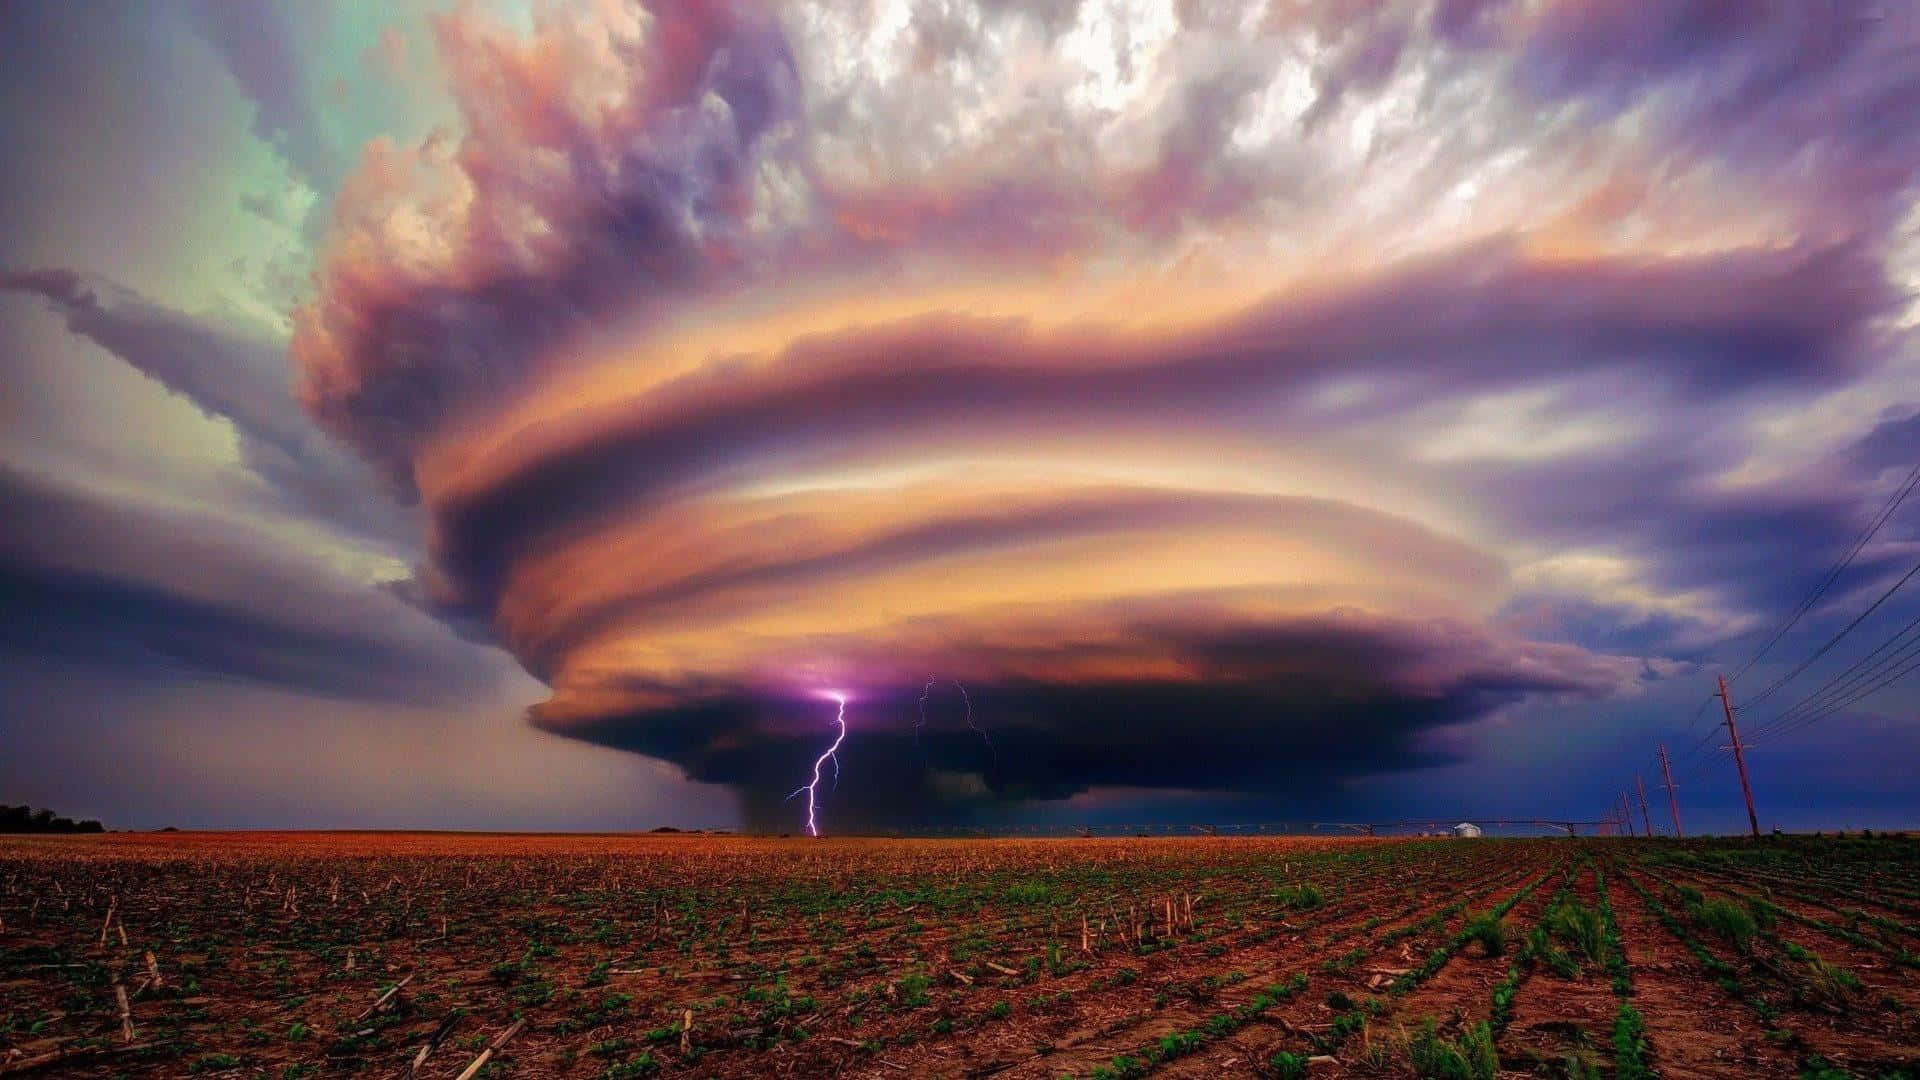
1099, 372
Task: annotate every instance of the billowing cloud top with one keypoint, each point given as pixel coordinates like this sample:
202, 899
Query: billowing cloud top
1276, 382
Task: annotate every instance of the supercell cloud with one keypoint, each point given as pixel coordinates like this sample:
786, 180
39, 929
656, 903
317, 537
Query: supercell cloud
1232, 397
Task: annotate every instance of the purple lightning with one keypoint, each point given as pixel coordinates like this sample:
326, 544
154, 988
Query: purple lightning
840, 719
977, 729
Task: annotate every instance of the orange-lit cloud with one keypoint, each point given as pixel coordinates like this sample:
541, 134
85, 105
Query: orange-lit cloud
1123, 368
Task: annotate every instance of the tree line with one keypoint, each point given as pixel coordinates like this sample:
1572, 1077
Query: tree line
26, 819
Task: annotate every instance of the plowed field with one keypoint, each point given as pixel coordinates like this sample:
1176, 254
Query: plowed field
279, 955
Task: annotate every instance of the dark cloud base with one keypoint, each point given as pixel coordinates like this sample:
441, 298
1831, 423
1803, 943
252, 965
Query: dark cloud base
1294, 711
1048, 743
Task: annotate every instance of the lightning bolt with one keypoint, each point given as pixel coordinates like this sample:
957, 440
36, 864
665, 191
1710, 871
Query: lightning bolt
933, 680
813, 828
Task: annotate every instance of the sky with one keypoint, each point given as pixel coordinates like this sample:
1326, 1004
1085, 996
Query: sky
545, 416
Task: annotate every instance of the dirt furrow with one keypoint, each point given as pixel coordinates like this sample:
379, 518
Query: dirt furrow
1555, 1018
1332, 1016
1108, 1024
1694, 1029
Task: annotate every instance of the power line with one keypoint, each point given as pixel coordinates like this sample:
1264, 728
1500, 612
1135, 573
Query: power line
1700, 765
1885, 663
1697, 771
1704, 740
1835, 639
1844, 682
1853, 683
1806, 605
1888, 680
1702, 744
1833, 573
1700, 712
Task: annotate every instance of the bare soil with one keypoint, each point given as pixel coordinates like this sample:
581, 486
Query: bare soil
291, 955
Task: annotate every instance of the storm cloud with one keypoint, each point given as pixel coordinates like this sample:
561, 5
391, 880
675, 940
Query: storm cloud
177, 595
1293, 389
237, 378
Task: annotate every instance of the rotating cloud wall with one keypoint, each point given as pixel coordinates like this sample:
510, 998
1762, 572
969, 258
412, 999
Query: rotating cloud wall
1121, 367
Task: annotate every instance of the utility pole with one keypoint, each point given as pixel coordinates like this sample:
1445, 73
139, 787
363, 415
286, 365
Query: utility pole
1672, 802
1739, 758
1626, 814
1646, 819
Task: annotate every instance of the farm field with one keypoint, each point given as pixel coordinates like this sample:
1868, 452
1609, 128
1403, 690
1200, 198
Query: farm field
279, 955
